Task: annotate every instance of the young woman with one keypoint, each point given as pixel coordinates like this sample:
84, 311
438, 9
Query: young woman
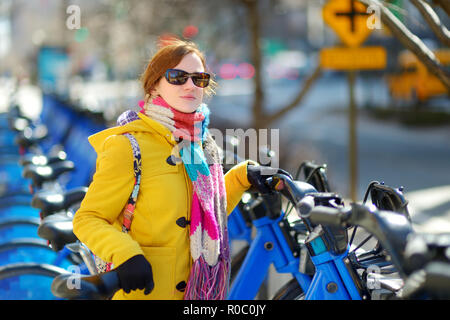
177, 244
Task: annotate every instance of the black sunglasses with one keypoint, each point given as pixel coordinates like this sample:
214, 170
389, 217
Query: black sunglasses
179, 77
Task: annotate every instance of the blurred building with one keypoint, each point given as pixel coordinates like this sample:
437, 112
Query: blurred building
117, 36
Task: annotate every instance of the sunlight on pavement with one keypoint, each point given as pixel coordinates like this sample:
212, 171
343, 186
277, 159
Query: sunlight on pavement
430, 209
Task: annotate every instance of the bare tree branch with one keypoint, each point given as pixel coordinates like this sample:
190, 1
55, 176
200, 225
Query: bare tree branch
412, 42
444, 4
306, 86
433, 21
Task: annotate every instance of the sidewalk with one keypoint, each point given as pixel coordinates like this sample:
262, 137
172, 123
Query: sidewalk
430, 209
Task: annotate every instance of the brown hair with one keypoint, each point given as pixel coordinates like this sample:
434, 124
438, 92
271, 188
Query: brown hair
168, 57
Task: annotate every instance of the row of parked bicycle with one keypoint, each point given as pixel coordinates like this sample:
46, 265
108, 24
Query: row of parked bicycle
367, 250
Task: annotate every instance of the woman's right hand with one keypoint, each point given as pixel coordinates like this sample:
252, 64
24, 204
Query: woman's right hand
257, 176
136, 273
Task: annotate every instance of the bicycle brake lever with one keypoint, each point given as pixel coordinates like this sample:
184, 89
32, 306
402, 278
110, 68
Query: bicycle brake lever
275, 183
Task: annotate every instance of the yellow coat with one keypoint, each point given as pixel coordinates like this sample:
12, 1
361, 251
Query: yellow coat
164, 197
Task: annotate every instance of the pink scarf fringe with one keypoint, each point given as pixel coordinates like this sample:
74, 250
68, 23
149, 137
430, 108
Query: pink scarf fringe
208, 282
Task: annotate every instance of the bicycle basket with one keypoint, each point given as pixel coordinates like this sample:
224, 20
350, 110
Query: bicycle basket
388, 198
315, 175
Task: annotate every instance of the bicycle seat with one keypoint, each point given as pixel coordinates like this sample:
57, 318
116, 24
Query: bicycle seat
51, 202
42, 160
41, 174
315, 175
57, 229
387, 198
29, 136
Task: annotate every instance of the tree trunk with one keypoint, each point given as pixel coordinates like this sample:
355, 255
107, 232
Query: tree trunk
256, 60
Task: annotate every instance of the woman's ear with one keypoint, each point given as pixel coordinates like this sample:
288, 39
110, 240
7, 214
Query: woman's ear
153, 94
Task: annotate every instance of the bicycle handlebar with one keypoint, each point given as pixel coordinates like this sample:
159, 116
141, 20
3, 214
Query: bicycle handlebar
293, 190
321, 214
77, 287
390, 228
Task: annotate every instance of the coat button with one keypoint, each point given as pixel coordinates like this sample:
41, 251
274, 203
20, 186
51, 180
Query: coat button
172, 160
182, 222
181, 286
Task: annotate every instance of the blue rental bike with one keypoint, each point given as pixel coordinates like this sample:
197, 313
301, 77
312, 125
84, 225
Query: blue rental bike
29, 264
349, 253
240, 222
421, 260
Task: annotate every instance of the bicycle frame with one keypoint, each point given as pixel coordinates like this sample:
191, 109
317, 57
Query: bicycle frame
269, 246
334, 277
237, 226
332, 280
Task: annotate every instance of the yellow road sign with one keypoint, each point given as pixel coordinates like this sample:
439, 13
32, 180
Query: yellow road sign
348, 18
345, 58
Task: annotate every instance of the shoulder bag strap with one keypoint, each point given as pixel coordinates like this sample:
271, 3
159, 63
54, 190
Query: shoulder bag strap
131, 204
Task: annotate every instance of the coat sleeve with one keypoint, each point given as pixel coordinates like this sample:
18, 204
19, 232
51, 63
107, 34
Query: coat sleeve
102, 206
236, 183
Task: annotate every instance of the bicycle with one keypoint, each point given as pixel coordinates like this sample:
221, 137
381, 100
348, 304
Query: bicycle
282, 256
313, 174
421, 260
38, 258
382, 197
44, 196
16, 279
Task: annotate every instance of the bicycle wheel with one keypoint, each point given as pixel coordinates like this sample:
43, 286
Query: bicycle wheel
33, 250
237, 261
7, 202
13, 228
28, 281
290, 291
366, 253
19, 211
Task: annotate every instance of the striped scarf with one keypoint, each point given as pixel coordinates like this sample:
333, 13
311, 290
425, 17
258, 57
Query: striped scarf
209, 276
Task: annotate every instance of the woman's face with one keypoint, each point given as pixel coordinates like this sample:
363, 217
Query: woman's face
186, 97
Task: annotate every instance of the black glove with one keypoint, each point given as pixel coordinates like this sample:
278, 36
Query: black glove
136, 273
257, 176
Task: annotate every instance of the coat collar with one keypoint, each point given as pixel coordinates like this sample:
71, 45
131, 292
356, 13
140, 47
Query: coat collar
144, 124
